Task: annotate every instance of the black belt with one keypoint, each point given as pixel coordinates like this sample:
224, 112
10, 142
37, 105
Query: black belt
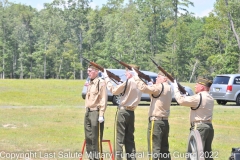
200, 122
91, 109
155, 118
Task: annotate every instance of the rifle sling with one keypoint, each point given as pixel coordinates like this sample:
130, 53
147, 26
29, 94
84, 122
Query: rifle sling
198, 104
125, 88
159, 93
98, 85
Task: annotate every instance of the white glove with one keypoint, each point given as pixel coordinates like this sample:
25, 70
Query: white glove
105, 75
184, 95
175, 85
119, 83
149, 83
100, 119
134, 72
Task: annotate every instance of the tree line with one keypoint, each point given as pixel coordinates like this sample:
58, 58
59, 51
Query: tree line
50, 42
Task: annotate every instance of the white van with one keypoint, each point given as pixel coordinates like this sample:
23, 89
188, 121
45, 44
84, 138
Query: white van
121, 73
226, 88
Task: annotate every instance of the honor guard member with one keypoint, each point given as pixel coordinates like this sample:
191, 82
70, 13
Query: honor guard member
158, 126
201, 112
130, 97
95, 103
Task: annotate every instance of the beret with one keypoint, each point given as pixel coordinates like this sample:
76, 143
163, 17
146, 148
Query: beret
204, 82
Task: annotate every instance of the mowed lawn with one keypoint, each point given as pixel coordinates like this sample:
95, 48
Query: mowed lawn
45, 118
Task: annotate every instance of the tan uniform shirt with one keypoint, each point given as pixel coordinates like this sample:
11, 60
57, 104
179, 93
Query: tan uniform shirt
205, 110
159, 107
132, 95
96, 96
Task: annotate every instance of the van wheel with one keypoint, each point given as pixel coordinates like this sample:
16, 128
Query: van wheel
116, 100
222, 102
238, 100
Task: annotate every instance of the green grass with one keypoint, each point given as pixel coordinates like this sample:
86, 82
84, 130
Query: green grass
41, 92
27, 123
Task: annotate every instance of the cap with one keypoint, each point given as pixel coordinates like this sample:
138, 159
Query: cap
204, 82
93, 67
161, 73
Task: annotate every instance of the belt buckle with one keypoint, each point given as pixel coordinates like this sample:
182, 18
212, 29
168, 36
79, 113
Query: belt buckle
152, 118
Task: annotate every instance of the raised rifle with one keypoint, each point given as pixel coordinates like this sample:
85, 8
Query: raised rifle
140, 74
111, 75
181, 88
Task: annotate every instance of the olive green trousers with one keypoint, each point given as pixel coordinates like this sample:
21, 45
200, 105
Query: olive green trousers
93, 134
125, 135
158, 146
207, 133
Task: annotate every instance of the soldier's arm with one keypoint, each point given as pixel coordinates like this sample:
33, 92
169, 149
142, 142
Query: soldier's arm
103, 98
145, 88
115, 90
189, 101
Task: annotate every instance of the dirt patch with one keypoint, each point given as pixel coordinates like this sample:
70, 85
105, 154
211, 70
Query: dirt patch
12, 126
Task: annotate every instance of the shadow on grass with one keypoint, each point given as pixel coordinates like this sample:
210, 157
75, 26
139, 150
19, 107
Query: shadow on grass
142, 104
229, 106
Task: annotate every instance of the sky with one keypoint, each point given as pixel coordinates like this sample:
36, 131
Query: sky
202, 7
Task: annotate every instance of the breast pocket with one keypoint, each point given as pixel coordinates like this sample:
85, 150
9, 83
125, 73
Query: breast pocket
93, 94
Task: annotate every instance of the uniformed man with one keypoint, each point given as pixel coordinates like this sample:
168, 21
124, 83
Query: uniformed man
129, 100
95, 103
201, 112
158, 126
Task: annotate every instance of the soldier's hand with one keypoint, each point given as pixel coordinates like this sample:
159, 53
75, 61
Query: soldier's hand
184, 95
105, 75
149, 83
134, 72
119, 83
175, 85
100, 119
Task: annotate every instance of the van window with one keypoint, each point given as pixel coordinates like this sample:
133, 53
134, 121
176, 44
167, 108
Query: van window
221, 80
236, 80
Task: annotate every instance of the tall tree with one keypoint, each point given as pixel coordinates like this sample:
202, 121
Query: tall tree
76, 12
233, 28
47, 25
23, 33
153, 14
4, 22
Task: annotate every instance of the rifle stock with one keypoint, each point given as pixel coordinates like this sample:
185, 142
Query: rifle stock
180, 87
110, 74
140, 74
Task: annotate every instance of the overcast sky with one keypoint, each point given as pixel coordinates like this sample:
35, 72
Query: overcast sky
202, 7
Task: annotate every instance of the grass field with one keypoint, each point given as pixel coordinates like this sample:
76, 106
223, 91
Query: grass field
44, 118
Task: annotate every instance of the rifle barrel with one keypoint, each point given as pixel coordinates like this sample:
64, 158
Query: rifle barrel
85, 59
140, 74
110, 74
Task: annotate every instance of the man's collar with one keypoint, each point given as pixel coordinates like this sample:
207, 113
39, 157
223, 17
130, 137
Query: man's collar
94, 80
